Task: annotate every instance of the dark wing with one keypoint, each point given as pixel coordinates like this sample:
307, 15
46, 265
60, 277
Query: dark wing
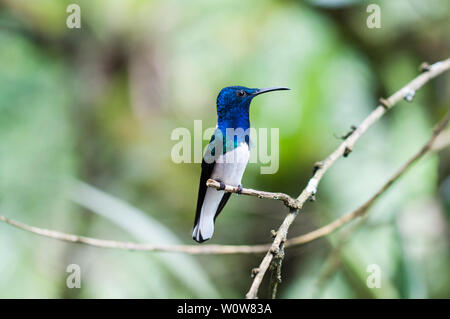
207, 169
224, 200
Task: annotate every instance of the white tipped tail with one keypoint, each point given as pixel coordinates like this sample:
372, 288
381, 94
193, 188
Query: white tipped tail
204, 228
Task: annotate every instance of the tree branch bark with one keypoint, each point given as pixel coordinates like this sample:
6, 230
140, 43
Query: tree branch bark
286, 199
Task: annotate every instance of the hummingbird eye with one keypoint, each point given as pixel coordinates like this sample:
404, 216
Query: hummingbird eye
241, 93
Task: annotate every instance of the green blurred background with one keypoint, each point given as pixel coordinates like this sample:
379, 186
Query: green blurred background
86, 117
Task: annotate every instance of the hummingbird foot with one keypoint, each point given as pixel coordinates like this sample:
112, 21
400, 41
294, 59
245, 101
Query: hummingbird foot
239, 189
222, 186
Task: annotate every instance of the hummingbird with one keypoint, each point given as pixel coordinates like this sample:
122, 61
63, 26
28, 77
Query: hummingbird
226, 155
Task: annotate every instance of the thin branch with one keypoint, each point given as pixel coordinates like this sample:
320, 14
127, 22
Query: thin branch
276, 272
441, 141
102, 243
406, 92
286, 199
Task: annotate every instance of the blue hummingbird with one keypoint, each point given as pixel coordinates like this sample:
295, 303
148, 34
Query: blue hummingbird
226, 156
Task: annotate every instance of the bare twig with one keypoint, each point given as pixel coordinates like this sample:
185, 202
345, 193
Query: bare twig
276, 272
441, 141
102, 243
286, 199
406, 92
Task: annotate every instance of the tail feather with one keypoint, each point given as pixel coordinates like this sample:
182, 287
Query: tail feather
204, 227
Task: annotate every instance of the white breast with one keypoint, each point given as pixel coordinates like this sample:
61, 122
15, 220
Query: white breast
230, 167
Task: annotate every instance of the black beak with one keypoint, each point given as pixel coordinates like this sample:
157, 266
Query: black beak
260, 91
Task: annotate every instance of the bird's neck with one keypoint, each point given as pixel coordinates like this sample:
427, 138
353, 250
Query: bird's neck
234, 121
234, 127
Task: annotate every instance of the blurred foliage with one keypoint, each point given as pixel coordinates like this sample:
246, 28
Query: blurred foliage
98, 105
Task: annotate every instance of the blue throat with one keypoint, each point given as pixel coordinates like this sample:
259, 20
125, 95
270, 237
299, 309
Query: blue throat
237, 118
239, 122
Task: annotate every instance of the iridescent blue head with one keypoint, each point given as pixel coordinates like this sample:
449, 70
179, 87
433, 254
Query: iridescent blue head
233, 104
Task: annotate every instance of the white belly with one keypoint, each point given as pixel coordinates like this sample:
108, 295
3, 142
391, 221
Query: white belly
230, 167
